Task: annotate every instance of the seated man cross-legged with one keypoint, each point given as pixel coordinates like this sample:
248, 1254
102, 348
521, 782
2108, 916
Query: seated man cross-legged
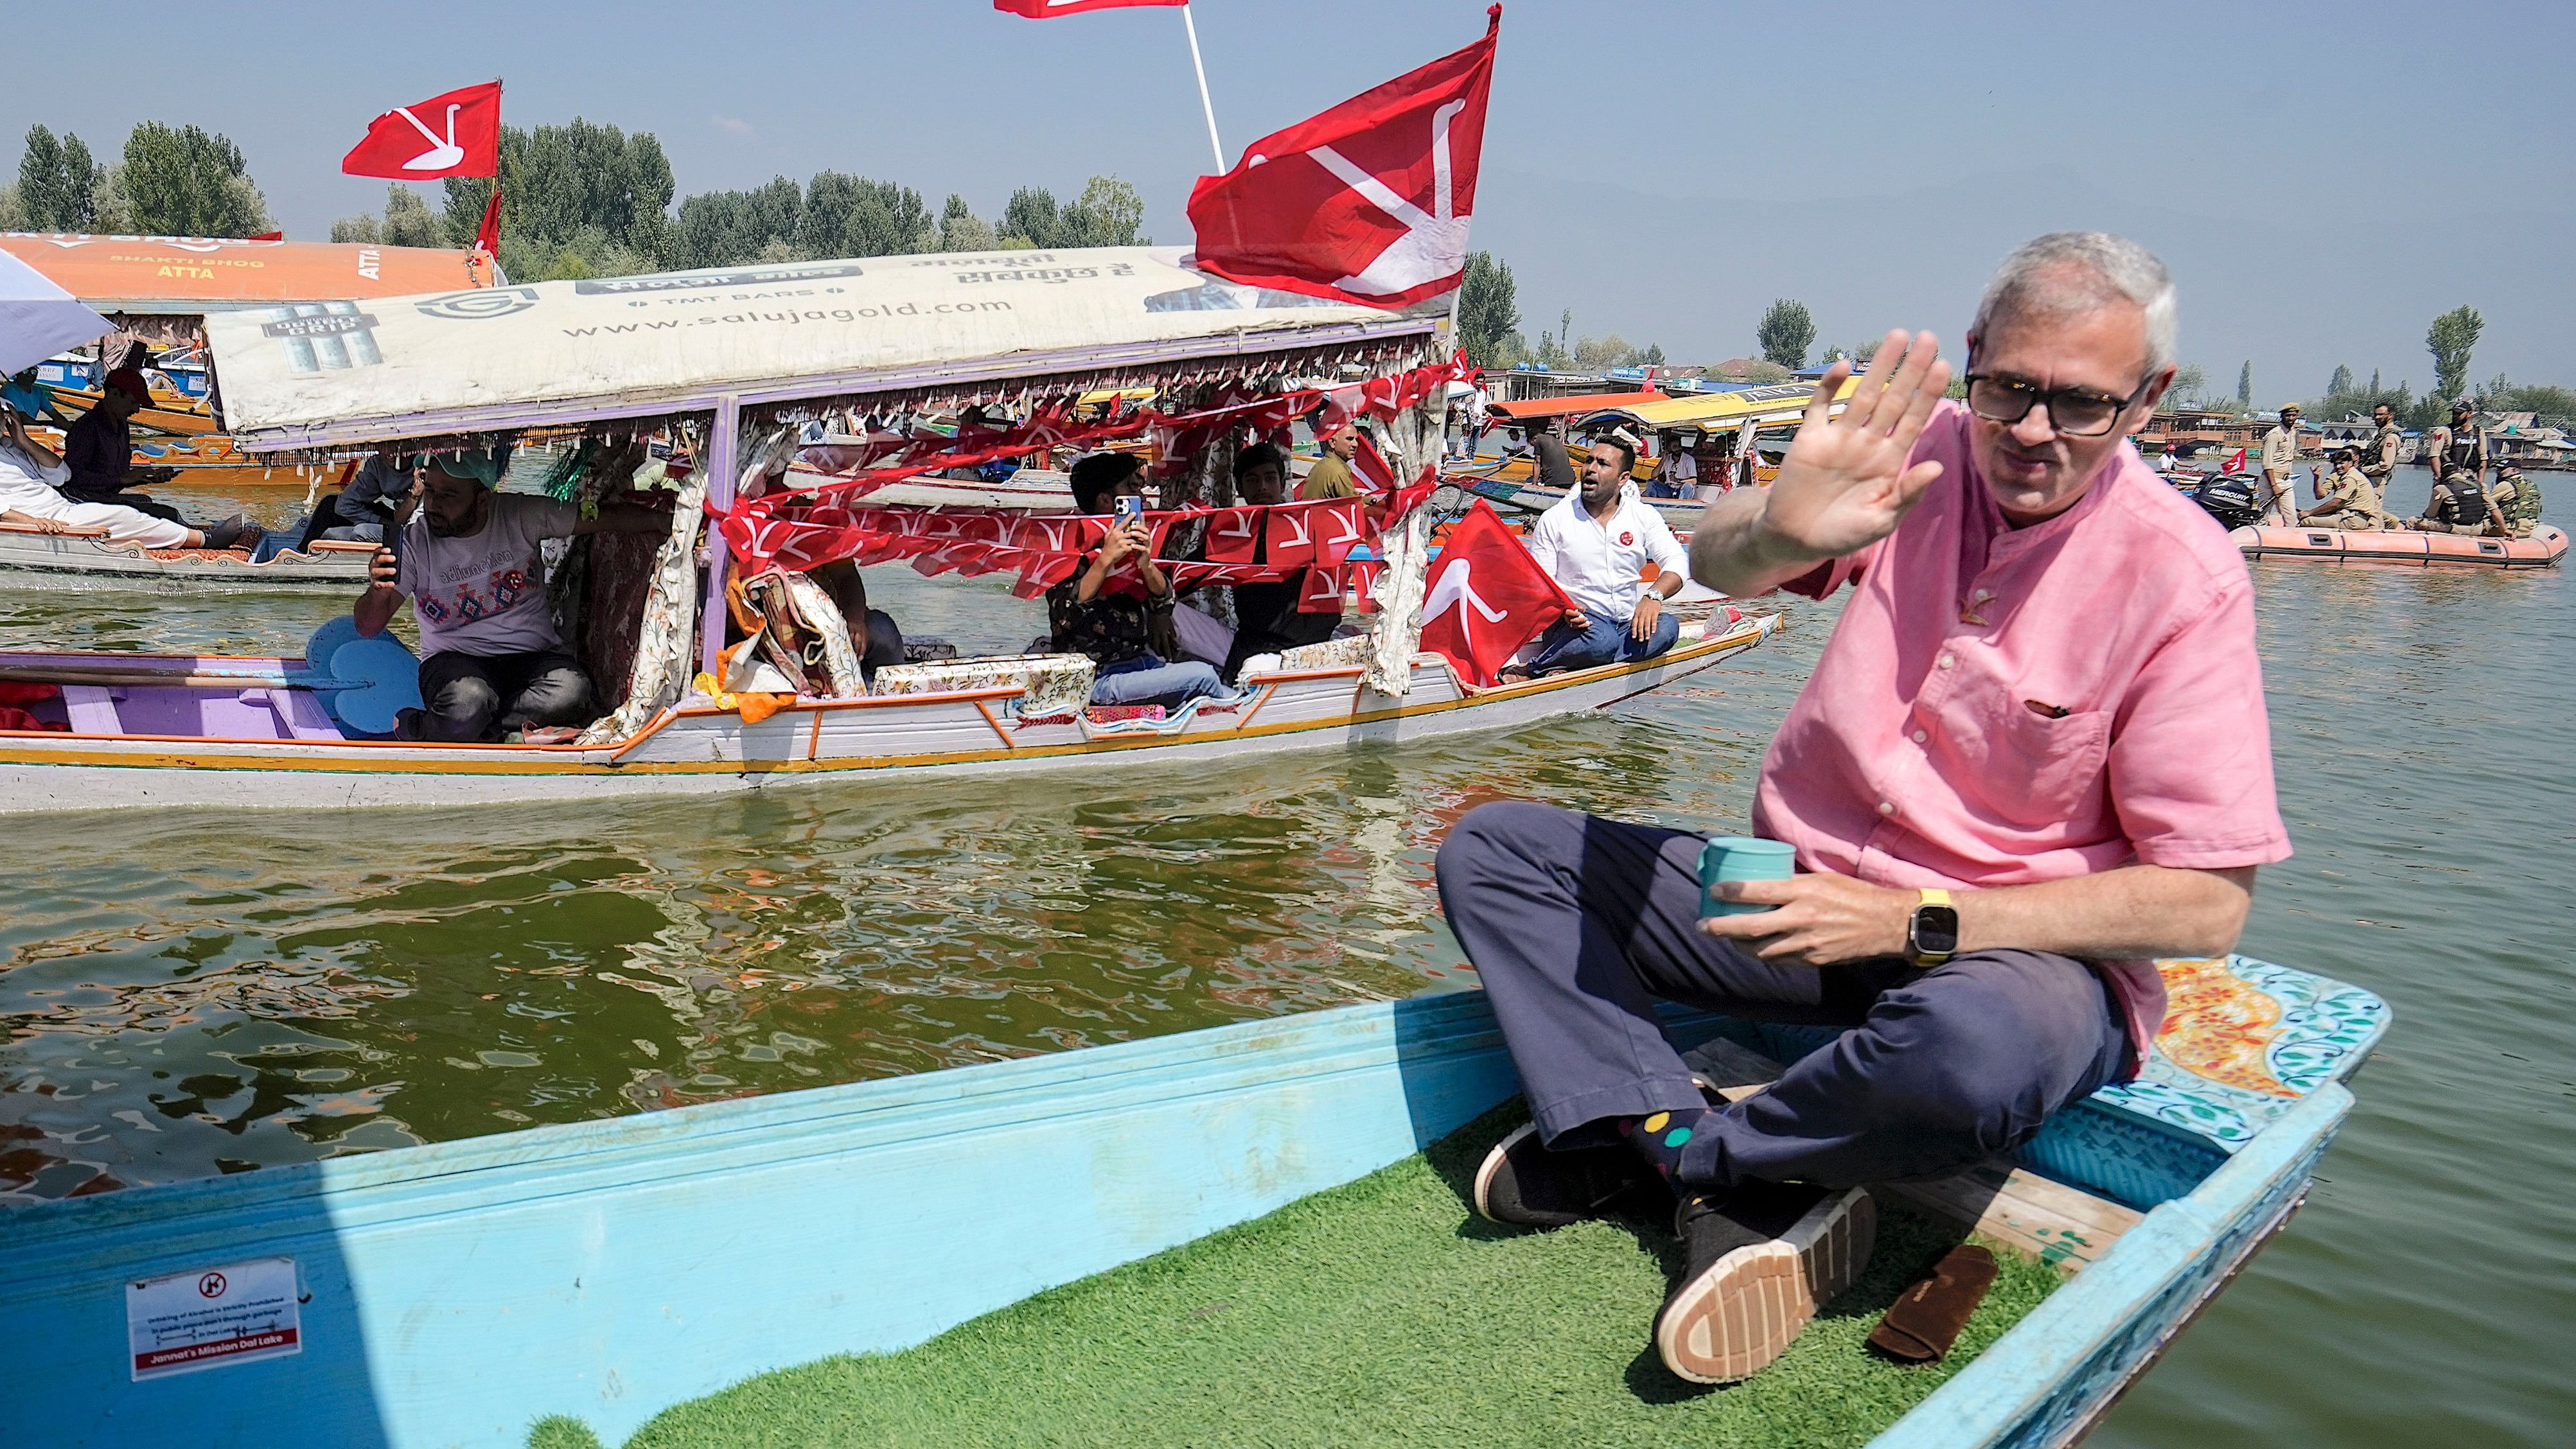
491, 662
2032, 756
1597, 542
1127, 636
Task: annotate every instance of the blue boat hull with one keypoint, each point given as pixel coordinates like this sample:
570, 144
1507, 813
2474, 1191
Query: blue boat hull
453, 1294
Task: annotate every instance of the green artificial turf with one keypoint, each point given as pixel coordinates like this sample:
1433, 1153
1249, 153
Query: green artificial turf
1379, 1313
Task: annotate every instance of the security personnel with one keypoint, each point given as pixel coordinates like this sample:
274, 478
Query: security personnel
2458, 506
2280, 457
2516, 499
2345, 500
2467, 450
2379, 456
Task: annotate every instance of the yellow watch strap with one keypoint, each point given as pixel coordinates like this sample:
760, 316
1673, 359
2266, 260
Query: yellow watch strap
1932, 896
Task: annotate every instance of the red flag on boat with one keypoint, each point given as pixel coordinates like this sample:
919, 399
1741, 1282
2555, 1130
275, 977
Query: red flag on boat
1232, 532
1368, 202
1487, 597
457, 134
1049, 9
1341, 524
1320, 591
487, 237
2235, 464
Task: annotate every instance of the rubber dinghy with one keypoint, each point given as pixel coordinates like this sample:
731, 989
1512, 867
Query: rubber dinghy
2543, 549
607, 1273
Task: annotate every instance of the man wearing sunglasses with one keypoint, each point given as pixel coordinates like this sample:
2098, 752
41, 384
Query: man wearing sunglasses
2032, 756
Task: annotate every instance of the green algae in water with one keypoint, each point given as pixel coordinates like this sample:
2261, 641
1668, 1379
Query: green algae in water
1382, 1312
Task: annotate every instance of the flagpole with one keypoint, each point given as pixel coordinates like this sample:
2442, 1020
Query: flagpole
1214, 145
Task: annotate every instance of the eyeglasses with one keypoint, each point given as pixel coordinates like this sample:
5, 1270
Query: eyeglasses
2075, 412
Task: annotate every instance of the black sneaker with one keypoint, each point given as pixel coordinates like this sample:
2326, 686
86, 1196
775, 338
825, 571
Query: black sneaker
1759, 1260
1525, 1185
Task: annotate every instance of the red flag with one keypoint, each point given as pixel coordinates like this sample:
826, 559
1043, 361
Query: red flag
1368, 202
487, 237
1232, 533
2235, 464
1290, 541
1320, 591
1341, 525
1049, 9
1487, 597
267, 236
457, 134
1375, 473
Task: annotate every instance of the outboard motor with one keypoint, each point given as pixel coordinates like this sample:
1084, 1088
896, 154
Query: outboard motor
2230, 498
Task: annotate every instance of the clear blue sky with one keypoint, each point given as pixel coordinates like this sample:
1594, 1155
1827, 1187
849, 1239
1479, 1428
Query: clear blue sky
2324, 178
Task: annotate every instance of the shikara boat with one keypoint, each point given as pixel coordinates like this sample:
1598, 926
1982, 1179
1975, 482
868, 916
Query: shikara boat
741, 361
82, 557
454, 1294
2546, 546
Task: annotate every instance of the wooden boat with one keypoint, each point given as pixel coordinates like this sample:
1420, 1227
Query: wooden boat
82, 557
2546, 546
161, 730
453, 1294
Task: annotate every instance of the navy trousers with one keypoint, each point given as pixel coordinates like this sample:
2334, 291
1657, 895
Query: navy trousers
1578, 925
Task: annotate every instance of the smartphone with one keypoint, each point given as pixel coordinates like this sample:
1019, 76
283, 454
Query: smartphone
1128, 508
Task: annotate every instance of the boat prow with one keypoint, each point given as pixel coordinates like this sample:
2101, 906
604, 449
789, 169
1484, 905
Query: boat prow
2546, 546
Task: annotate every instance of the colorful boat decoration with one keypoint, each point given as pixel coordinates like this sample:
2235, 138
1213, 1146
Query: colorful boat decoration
2546, 546
456, 1293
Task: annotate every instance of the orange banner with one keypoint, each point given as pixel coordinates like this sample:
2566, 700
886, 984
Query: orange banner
163, 274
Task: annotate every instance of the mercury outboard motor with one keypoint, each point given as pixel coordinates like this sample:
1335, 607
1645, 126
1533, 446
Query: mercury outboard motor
2230, 498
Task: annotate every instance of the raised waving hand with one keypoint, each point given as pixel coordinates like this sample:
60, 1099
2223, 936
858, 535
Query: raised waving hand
1845, 483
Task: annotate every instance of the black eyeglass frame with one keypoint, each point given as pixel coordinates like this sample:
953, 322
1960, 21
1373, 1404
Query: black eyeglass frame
2049, 398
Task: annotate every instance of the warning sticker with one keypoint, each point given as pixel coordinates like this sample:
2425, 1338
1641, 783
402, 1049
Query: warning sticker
237, 1313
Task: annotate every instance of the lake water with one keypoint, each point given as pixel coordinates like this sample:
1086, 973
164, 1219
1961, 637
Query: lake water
205, 992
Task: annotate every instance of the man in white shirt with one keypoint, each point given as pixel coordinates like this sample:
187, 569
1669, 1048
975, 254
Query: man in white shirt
491, 661
1679, 476
1596, 544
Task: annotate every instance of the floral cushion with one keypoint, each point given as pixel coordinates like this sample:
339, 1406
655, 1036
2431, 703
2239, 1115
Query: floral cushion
1050, 684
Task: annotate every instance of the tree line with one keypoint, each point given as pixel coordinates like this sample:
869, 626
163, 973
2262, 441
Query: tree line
577, 200
166, 181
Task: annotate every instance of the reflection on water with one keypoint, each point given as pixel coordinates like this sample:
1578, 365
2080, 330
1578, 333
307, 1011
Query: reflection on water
203, 993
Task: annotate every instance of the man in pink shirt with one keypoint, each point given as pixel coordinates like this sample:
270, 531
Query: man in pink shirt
2032, 756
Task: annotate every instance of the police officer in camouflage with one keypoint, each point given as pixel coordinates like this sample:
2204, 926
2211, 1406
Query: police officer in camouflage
2516, 499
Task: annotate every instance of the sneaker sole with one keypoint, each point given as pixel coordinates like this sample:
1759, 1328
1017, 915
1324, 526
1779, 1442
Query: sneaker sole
1751, 1304
1492, 1164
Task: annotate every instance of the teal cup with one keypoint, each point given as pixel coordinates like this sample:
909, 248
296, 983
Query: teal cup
1741, 857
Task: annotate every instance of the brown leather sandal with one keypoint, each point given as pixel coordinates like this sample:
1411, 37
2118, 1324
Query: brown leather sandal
1925, 1320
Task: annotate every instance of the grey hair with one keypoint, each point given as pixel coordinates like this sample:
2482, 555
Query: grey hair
2070, 272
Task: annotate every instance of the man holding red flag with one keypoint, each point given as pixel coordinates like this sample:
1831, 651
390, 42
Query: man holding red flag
1486, 597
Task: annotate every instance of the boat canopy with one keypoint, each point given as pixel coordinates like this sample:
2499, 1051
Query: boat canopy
556, 353
1780, 403
1532, 409
189, 276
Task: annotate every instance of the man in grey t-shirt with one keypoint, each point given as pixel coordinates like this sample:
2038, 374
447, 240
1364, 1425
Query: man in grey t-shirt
490, 662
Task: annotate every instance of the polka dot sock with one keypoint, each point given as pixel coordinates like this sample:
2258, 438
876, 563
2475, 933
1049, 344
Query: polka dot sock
1663, 1137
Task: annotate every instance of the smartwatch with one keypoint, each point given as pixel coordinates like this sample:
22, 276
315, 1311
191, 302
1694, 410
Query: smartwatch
1932, 932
